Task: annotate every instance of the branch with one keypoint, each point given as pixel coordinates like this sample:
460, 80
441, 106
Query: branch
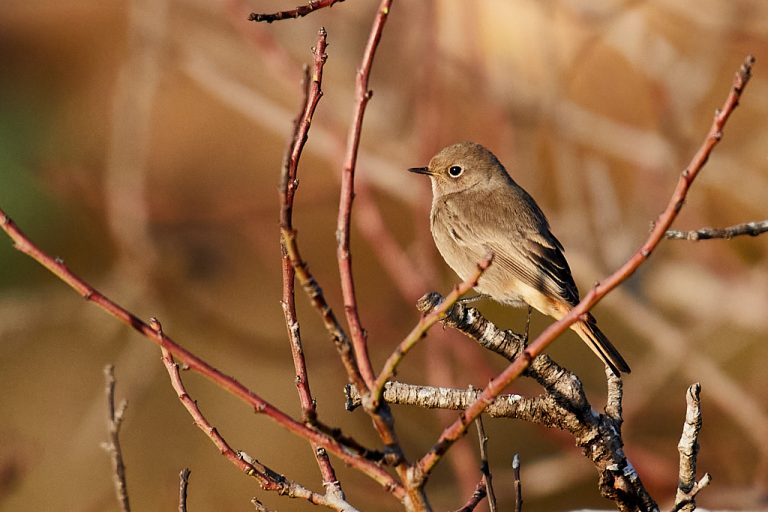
425, 323
457, 429
114, 421
535, 410
298, 12
183, 484
288, 185
564, 406
754, 228
380, 414
474, 500
518, 483
268, 479
687, 487
57, 267
363, 95
485, 468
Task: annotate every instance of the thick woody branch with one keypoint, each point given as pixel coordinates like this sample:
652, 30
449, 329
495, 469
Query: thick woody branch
298, 12
754, 228
535, 410
564, 406
687, 487
458, 428
183, 485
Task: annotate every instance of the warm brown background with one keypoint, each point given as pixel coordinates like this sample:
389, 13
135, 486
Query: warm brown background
141, 141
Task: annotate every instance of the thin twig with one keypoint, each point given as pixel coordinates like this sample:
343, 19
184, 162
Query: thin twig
298, 12
115, 418
378, 412
485, 467
754, 228
57, 267
518, 483
363, 95
474, 500
183, 484
457, 429
268, 479
288, 184
425, 323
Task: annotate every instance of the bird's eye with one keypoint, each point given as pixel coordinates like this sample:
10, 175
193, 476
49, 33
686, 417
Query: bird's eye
455, 171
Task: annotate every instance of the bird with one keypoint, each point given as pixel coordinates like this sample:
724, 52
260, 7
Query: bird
477, 209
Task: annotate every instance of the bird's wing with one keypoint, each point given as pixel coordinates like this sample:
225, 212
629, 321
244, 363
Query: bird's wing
523, 246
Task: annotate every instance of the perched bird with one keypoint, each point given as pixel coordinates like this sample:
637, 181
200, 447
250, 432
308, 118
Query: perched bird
477, 208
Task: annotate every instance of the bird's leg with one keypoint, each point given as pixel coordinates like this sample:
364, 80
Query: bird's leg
471, 300
527, 324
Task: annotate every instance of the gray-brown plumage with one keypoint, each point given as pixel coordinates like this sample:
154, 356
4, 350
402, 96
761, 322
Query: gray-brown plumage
477, 208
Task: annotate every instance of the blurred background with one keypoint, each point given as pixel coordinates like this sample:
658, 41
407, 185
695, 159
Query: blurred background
141, 142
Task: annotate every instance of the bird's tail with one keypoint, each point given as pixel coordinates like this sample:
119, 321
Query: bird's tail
596, 340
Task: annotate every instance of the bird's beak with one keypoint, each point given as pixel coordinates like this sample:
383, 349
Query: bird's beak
420, 170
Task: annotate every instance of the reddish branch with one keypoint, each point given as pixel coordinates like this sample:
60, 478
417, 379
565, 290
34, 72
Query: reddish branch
315, 435
363, 95
458, 428
474, 500
425, 323
268, 479
288, 185
298, 12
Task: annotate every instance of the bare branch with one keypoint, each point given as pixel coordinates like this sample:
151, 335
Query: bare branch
485, 467
564, 406
363, 95
518, 483
474, 500
288, 184
298, 12
268, 479
539, 410
183, 484
426, 321
754, 228
197, 364
457, 429
687, 487
114, 421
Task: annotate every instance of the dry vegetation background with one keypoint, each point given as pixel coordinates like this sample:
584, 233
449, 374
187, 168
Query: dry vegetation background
141, 141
